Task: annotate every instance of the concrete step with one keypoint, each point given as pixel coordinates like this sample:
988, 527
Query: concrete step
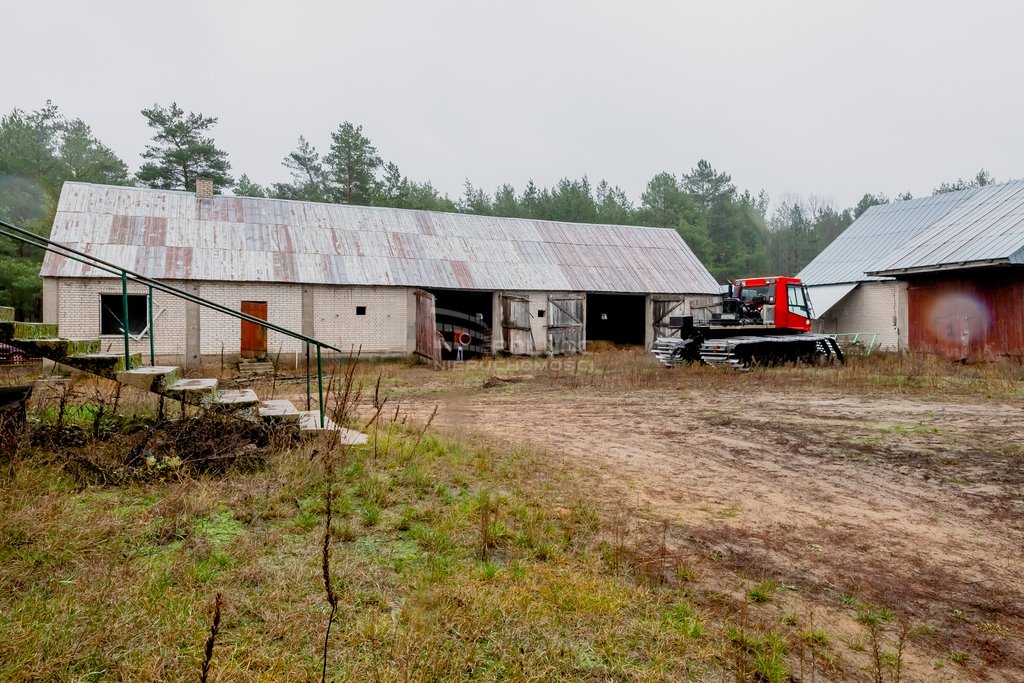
309, 425
10, 330
6, 314
106, 364
200, 391
57, 349
251, 368
154, 378
241, 402
279, 410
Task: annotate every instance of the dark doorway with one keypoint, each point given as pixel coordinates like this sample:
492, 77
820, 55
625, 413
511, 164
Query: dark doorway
460, 314
616, 318
254, 336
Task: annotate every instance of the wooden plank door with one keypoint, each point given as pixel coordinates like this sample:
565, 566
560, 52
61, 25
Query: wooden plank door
663, 310
427, 343
254, 336
565, 323
515, 325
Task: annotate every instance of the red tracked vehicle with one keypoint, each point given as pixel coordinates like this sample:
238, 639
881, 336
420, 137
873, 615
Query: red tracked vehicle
764, 321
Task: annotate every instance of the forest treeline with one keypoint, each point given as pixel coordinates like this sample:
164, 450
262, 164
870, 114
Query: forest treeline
734, 232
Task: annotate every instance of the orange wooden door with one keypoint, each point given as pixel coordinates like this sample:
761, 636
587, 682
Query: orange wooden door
254, 337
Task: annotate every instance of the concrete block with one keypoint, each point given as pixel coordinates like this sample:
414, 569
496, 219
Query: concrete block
155, 378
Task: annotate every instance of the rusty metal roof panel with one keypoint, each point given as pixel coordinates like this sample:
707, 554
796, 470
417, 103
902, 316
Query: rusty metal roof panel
244, 239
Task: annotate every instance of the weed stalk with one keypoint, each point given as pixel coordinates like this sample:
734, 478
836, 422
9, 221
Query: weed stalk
218, 606
332, 597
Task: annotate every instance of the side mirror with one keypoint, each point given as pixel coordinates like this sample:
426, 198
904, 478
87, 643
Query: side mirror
771, 301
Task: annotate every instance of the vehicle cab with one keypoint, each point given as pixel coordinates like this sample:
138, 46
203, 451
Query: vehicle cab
782, 301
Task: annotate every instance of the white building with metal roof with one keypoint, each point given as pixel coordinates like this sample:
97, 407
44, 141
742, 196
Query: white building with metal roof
361, 277
870, 277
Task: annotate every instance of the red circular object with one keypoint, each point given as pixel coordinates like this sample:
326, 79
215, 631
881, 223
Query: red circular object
463, 338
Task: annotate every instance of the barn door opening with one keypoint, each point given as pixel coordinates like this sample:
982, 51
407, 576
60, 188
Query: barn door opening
565, 323
460, 314
254, 336
515, 325
427, 343
664, 311
616, 318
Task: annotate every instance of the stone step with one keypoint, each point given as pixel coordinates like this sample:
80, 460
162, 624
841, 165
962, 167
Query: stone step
106, 364
242, 402
154, 378
200, 391
10, 330
279, 410
309, 425
57, 350
253, 367
6, 314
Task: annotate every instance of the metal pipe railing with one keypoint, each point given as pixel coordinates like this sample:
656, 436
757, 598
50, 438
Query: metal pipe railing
46, 244
152, 343
124, 321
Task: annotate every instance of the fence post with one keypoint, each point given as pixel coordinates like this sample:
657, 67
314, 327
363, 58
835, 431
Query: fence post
308, 392
124, 320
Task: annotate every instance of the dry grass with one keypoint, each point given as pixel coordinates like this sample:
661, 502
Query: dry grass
449, 559
881, 373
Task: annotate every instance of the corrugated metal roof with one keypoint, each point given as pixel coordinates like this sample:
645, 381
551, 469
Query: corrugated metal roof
177, 236
876, 235
986, 228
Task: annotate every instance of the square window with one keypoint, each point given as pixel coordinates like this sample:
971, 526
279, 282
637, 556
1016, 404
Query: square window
112, 310
360, 310
540, 312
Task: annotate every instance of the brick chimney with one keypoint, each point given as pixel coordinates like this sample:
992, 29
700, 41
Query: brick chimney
204, 187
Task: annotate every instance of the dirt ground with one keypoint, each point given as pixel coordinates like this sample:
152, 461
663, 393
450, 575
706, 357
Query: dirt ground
910, 502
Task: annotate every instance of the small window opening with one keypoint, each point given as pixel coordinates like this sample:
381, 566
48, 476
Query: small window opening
360, 310
540, 312
111, 312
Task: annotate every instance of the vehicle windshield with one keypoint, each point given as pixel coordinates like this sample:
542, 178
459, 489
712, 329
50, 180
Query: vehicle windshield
748, 294
797, 300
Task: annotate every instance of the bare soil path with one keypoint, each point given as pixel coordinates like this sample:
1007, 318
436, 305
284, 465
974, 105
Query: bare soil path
913, 503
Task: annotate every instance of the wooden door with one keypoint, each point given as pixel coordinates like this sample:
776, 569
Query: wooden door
664, 309
515, 325
254, 336
565, 323
427, 343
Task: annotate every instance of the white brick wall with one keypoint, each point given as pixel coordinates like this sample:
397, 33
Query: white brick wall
872, 307
383, 330
219, 332
78, 315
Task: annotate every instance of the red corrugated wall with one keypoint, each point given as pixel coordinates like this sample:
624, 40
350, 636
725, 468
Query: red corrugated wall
971, 314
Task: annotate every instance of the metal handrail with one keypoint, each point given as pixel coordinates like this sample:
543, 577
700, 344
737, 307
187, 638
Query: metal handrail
30, 238
854, 338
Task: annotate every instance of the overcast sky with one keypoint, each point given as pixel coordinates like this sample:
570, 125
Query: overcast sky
819, 97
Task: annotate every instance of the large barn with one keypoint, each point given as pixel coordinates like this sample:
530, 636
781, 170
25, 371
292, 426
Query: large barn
940, 274
359, 277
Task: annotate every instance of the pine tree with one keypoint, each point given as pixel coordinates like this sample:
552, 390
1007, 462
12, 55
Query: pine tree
183, 151
352, 165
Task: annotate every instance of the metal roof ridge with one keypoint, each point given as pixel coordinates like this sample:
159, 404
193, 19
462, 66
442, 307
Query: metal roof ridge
476, 216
